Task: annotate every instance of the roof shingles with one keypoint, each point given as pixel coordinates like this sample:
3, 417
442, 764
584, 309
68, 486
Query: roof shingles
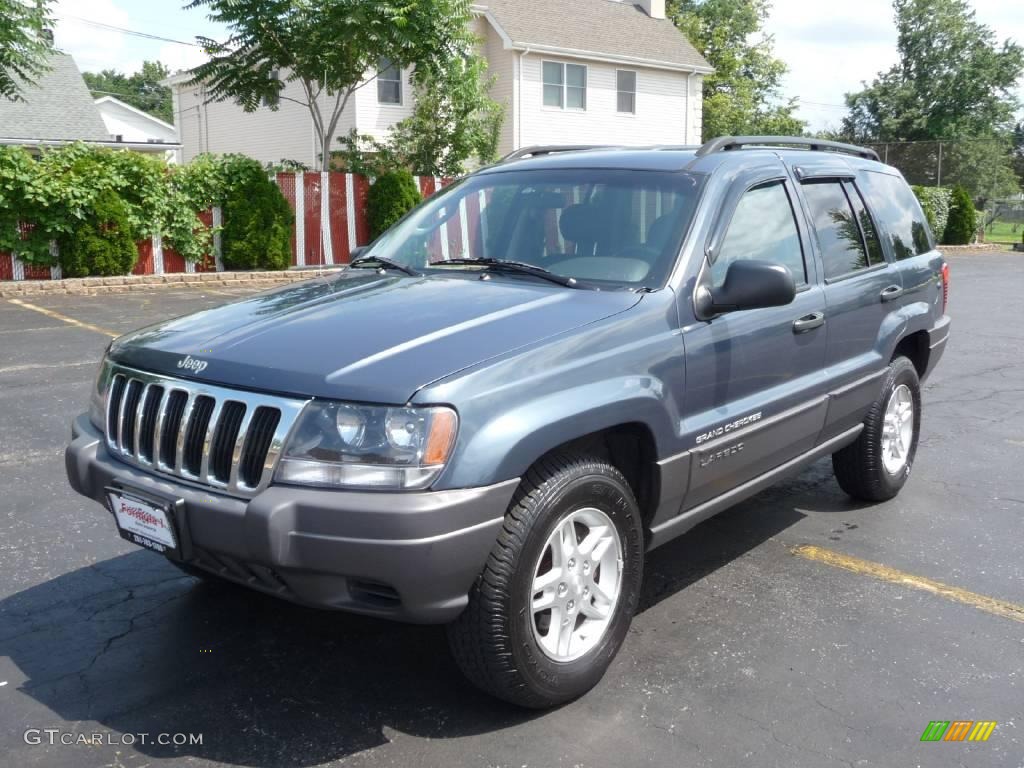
609, 27
58, 107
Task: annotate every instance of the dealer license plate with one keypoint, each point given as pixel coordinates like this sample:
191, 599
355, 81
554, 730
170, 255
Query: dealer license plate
142, 522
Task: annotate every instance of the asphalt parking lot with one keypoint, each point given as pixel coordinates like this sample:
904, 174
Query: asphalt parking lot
747, 650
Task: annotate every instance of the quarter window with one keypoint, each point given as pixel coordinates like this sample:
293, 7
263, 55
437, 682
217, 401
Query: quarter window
626, 85
899, 214
762, 228
389, 83
838, 229
565, 85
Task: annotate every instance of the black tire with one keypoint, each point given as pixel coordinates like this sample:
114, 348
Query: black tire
859, 467
493, 640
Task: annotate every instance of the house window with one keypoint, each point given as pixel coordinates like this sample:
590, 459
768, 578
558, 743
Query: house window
389, 83
565, 85
274, 98
626, 85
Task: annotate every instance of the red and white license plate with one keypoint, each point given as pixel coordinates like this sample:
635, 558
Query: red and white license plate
143, 522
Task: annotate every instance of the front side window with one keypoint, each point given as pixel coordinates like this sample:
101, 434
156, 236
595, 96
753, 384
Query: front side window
843, 249
610, 228
626, 85
389, 83
565, 85
898, 213
763, 228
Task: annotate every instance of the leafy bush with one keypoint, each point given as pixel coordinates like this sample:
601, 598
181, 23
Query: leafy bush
963, 222
103, 243
257, 218
935, 202
392, 195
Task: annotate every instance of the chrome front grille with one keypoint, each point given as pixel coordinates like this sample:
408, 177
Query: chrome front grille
222, 438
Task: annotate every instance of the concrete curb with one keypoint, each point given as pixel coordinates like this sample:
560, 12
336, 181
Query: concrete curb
95, 285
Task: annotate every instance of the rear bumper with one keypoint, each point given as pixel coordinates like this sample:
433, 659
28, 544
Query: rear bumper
406, 556
937, 338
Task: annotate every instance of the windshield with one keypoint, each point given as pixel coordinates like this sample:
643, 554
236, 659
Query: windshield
602, 227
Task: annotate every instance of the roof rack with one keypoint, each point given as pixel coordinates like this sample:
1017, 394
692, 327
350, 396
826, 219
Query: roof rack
729, 143
551, 149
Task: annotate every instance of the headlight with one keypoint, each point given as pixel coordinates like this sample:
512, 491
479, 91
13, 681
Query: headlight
98, 397
360, 446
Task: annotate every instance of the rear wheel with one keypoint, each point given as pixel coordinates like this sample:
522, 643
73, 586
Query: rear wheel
556, 598
877, 465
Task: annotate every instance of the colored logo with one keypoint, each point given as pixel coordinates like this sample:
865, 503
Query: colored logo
958, 730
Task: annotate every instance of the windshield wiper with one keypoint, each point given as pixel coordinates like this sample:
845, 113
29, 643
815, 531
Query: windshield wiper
501, 265
382, 262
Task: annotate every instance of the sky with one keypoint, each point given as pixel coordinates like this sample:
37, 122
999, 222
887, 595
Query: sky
830, 47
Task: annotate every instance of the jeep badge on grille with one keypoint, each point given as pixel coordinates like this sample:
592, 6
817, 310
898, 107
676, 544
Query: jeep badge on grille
193, 364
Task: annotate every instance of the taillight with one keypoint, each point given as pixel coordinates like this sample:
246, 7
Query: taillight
945, 287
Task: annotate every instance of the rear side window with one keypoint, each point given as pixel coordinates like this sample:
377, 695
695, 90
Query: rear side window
843, 249
867, 224
898, 213
762, 228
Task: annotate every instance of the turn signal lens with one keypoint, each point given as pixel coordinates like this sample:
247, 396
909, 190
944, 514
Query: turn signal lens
441, 438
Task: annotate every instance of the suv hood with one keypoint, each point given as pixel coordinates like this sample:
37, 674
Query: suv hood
363, 336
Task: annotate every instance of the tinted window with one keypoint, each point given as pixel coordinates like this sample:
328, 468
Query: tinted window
899, 215
762, 228
838, 231
867, 224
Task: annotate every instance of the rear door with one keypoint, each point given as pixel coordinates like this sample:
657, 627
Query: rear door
862, 291
754, 384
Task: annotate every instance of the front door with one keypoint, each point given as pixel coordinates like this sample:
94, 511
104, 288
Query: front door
755, 395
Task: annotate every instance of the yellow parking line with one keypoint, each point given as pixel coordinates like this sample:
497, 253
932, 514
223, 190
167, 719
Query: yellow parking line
65, 318
884, 573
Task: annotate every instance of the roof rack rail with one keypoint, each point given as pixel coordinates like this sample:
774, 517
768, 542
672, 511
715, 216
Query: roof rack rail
551, 149
728, 143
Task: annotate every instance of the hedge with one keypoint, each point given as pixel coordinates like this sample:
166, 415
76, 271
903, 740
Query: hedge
101, 197
935, 201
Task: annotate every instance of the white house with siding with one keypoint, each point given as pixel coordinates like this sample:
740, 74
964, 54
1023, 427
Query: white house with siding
567, 71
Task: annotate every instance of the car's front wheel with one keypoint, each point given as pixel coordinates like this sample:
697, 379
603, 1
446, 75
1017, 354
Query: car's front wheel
556, 598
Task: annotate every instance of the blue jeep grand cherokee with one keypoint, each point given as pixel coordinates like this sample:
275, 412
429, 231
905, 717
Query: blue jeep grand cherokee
543, 372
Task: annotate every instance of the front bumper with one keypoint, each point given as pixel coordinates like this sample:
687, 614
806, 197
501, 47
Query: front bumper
406, 556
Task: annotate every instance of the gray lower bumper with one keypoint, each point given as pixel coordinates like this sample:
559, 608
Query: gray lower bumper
937, 338
406, 556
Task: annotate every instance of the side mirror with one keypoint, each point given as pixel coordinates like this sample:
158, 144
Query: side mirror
749, 284
357, 252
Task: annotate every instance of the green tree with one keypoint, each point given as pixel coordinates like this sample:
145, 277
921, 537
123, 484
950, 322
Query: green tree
327, 47
141, 89
1018, 151
962, 222
25, 44
102, 244
743, 94
453, 121
953, 79
392, 195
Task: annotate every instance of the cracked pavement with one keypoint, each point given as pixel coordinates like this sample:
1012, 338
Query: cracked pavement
741, 654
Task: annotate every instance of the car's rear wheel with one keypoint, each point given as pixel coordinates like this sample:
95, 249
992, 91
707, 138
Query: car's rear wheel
556, 598
877, 465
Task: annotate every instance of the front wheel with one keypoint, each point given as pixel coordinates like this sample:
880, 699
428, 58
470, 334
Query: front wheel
556, 598
877, 465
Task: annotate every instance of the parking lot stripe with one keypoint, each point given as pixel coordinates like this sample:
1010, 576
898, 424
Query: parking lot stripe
991, 605
64, 318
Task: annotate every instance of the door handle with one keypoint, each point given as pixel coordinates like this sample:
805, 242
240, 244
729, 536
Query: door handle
892, 292
809, 322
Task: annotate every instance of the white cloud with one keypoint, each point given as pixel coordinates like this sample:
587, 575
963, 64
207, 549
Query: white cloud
92, 47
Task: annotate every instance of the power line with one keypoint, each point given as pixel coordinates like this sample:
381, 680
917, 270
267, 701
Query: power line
132, 32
